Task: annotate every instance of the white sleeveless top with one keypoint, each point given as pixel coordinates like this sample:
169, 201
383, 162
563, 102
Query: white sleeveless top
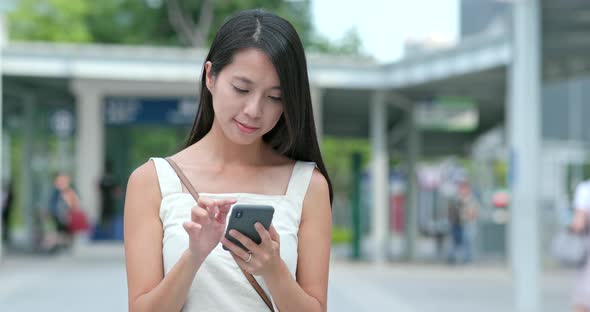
220, 285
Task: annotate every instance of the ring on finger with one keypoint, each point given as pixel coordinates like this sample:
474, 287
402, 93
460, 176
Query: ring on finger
249, 257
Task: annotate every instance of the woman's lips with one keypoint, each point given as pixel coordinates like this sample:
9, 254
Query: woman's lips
245, 128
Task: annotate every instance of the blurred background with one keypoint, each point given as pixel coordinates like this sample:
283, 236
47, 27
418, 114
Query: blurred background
453, 131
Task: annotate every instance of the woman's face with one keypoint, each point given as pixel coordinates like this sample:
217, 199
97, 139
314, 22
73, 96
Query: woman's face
62, 182
246, 96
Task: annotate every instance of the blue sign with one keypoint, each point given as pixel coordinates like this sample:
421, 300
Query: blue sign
62, 123
123, 111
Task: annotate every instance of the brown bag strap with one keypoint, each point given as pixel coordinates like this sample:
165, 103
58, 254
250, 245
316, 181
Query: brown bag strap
258, 289
195, 195
183, 179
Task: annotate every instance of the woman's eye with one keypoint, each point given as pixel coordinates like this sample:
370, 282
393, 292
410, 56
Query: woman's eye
275, 99
240, 90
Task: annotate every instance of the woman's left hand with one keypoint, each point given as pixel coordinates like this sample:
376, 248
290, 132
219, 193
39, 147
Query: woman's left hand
263, 258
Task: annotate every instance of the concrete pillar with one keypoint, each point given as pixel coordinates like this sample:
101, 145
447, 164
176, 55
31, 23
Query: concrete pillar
379, 174
89, 146
317, 95
3, 39
3, 28
411, 211
524, 137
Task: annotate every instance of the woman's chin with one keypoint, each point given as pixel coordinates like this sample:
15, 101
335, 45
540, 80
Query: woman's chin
242, 139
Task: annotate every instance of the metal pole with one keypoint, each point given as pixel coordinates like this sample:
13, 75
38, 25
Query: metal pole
524, 138
356, 206
27, 170
576, 137
380, 174
411, 210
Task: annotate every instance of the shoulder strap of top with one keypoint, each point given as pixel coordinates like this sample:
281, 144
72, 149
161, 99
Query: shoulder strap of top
300, 178
167, 178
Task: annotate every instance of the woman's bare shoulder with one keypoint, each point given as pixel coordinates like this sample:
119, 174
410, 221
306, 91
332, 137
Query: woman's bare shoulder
144, 180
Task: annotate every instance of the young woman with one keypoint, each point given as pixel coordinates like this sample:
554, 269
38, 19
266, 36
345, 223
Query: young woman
580, 225
253, 142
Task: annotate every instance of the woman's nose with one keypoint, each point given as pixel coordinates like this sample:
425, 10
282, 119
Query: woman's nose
253, 107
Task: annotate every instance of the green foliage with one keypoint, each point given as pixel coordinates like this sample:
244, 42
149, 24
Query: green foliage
50, 20
16, 160
501, 173
153, 141
129, 22
337, 154
341, 235
147, 22
349, 44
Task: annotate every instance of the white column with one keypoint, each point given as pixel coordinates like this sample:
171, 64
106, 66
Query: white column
3, 28
317, 103
379, 174
3, 39
89, 145
524, 137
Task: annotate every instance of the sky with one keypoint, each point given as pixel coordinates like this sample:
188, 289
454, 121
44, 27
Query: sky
384, 25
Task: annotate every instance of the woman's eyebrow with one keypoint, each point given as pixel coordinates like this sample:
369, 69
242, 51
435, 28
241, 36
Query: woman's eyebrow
243, 79
248, 81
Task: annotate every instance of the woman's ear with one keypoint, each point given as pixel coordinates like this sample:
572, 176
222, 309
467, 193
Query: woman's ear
209, 78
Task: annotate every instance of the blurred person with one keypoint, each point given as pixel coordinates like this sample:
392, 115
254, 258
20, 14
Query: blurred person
109, 193
253, 141
580, 224
7, 196
455, 215
470, 215
62, 202
462, 213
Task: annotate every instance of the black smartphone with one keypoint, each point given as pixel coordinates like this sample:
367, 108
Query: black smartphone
243, 218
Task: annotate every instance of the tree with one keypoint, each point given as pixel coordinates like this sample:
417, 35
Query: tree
50, 20
349, 44
155, 22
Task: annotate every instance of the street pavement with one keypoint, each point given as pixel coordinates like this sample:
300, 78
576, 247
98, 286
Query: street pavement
92, 278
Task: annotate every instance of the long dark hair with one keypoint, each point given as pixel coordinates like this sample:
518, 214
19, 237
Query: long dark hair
294, 135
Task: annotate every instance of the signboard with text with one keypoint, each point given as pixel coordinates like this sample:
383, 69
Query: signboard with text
453, 114
124, 111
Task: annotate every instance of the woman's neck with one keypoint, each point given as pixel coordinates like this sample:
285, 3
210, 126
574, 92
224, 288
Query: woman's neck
223, 151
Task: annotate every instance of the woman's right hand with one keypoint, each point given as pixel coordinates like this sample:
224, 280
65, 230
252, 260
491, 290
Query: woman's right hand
207, 224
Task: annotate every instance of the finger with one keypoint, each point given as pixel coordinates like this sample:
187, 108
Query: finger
246, 241
205, 202
214, 205
221, 217
241, 263
199, 215
235, 249
192, 228
212, 212
274, 235
264, 235
226, 202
